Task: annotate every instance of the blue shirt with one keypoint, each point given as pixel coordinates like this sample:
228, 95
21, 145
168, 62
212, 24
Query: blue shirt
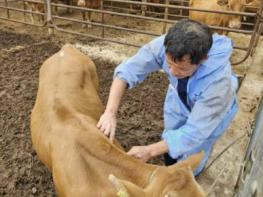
211, 96
182, 91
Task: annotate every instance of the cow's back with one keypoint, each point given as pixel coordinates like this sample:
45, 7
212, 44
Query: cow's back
67, 94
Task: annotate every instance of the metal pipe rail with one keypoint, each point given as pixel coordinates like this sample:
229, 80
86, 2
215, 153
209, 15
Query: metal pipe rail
184, 7
160, 14
107, 26
148, 18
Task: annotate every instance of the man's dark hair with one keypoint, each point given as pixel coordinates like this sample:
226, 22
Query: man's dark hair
188, 37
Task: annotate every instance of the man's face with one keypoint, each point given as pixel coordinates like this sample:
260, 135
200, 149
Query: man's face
183, 68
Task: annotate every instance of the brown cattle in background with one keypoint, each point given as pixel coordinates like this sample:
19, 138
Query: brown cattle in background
254, 3
81, 159
40, 8
216, 19
93, 4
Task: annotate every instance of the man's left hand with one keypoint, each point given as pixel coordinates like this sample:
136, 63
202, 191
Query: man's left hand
140, 152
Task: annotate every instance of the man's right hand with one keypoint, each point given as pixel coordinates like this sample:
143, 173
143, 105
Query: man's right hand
107, 124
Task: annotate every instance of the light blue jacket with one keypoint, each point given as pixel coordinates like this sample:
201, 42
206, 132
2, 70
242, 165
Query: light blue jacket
211, 95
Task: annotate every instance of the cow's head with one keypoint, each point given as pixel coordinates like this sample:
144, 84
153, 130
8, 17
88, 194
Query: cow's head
233, 5
173, 181
255, 3
81, 3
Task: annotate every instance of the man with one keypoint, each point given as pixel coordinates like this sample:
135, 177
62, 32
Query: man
201, 97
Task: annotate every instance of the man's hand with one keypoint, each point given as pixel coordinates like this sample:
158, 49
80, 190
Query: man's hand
140, 152
107, 124
145, 153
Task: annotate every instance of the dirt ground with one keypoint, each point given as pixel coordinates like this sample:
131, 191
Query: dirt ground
22, 51
140, 117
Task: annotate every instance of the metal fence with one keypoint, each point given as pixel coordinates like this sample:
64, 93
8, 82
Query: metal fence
161, 14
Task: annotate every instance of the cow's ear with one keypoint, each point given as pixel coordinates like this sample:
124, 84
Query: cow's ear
249, 1
222, 2
181, 177
119, 186
125, 188
171, 194
194, 161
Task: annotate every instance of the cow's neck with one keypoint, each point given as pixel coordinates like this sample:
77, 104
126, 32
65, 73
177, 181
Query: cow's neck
112, 160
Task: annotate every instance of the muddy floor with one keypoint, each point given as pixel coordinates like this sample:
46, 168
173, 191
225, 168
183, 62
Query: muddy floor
140, 116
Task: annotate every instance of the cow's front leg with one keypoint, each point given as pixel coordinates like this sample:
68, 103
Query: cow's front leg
55, 9
84, 18
69, 10
89, 20
31, 16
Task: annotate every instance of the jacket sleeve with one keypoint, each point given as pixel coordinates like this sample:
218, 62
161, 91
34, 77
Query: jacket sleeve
206, 115
148, 59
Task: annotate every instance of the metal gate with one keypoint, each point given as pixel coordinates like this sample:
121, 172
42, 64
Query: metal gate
162, 14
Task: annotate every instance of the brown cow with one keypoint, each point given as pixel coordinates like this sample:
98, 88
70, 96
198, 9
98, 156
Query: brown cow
216, 19
40, 8
82, 160
36, 7
93, 4
254, 3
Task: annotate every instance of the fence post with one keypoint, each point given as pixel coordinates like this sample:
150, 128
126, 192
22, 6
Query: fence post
25, 8
7, 10
166, 12
103, 19
260, 27
144, 8
49, 17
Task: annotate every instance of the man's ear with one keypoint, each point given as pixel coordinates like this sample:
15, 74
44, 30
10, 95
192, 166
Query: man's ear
205, 58
222, 2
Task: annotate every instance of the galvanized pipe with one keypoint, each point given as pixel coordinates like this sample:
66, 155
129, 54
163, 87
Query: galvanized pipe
21, 10
95, 37
162, 14
107, 26
147, 18
254, 38
17, 21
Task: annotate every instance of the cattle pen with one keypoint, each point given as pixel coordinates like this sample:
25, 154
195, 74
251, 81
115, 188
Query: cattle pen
117, 29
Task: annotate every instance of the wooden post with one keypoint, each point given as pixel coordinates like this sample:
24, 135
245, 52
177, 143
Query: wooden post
144, 8
49, 17
25, 8
103, 19
7, 10
166, 12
